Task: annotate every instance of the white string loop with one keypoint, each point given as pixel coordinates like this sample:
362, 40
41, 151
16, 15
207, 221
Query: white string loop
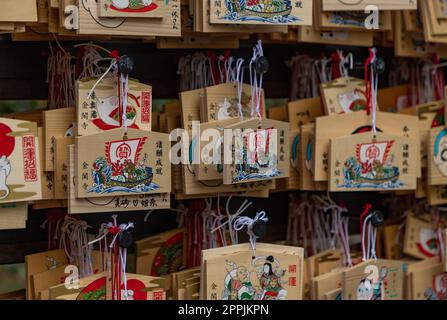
248, 222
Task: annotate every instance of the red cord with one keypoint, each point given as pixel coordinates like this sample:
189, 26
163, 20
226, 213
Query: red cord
335, 67
365, 212
368, 88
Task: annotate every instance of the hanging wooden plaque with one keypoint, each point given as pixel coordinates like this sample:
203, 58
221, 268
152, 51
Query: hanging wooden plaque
13, 215
374, 280
46, 177
331, 127
367, 162
303, 111
343, 95
113, 203
58, 123
61, 167
18, 11
19, 161
178, 282
250, 138
120, 166
420, 237
231, 273
327, 282
99, 110
429, 283
337, 5
94, 287
161, 254
143, 288
190, 102
266, 12
221, 102
437, 157
41, 262
211, 165
336, 37
132, 9
91, 23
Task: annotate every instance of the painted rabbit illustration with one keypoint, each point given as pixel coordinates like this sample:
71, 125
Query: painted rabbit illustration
5, 170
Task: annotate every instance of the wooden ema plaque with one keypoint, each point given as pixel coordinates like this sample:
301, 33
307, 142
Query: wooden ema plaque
90, 22
343, 95
132, 9
61, 167
328, 282
98, 287
143, 288
19, 161
336, 37
306, 159
354, 20
190, 102
94, 287
211, 165
420, 237
429, 116
112, 203
13, 215
221, 102
58, 123
303, 111
120, 166
261, 12
251, 137
161, 254
429, 282
231, 273
355, 5
202, 22
331, 127
317, 265
437, 157
41, 262
374, 280
46, 177
13, 11
368, 162
101, 112
180, 281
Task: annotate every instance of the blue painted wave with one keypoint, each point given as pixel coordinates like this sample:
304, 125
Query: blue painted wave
277, 19
386, 185
245, 177
137, 190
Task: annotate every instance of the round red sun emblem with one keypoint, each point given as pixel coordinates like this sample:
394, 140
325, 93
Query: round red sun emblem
372, 153
7, 142
123, 151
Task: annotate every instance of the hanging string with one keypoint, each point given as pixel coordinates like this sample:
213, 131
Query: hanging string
230, 218
369, 237
248, 222
371, 83
438, 79
346, 60
113, 67
73, 239
256, 86
116, 255
240, 80
124, 79
60, 78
